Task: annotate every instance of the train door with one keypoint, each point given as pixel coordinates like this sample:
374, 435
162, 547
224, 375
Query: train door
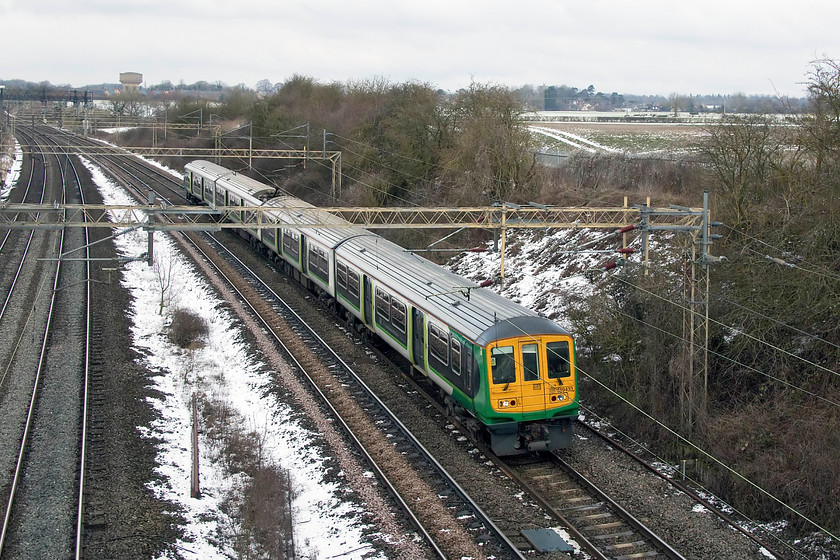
534, 387
304, 255
418, 328
505, 378
368, 297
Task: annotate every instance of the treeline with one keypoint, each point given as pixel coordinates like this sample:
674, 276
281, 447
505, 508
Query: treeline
401, 144
769, 405
770, 399
568, 98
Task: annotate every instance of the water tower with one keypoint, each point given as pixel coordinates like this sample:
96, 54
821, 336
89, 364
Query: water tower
131, 81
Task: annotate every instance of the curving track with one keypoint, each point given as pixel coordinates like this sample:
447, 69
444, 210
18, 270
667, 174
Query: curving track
445, 536
509, 522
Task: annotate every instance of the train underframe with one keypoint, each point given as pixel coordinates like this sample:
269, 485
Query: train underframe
519, 438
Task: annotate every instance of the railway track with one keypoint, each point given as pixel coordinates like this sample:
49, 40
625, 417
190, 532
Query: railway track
602, 527
44, 491
605, 526
636, 452
400, 443
329, 373
11, 247
599, 525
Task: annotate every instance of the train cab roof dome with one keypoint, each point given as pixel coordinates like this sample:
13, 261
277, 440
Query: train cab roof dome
519, 326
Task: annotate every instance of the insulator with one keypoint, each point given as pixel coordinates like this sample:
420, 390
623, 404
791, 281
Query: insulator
610, 265
625, 229
486, 283
627, 250
477, 250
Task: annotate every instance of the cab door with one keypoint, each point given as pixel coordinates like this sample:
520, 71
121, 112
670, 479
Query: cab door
506, 379
534, 387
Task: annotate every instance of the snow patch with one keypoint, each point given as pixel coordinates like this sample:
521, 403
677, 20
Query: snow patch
223, 367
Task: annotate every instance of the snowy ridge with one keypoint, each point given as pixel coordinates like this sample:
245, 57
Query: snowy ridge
542, 270
14, 171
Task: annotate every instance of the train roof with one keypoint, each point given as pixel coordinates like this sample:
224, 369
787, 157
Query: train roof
236, 182
478, 313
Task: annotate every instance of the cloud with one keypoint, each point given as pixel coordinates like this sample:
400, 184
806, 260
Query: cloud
650, 46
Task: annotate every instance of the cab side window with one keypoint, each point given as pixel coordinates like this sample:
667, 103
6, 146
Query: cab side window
503, 365
557, 354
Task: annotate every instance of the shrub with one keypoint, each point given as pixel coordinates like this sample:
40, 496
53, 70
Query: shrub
187, 328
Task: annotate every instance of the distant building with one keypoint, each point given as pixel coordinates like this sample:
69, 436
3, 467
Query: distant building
131, 80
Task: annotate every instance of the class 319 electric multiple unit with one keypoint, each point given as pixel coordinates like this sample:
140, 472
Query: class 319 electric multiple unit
508, 370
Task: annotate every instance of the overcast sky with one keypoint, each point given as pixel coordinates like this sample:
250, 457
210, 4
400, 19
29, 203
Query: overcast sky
642, 47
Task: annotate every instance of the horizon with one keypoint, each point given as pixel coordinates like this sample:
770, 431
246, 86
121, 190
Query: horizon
719, 47
253, 87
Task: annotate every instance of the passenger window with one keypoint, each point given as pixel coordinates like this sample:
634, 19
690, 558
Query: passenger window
531, 362
353, 284
341, 273
439, 344
383, 305
455, 352
503, 365
558, 360
398, 315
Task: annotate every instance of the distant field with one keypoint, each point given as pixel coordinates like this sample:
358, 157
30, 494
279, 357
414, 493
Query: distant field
635, 138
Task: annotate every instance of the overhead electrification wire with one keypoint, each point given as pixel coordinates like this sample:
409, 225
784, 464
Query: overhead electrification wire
703, 452
698, 483
780, 323
816, 269
733, 360
731, 328
715, 460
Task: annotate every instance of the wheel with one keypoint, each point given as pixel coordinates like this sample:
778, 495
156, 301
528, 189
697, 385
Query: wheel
450, 407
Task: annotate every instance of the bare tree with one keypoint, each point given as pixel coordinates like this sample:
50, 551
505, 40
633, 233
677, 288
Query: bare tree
166, 270
492, 151
743, 153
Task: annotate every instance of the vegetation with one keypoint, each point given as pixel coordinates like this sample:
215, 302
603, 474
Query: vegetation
772, 394
259, 508
187, 328
771, 410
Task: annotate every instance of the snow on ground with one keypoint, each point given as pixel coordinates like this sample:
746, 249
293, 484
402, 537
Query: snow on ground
571, 139
14, 171
543, 270
117, 129
225, 369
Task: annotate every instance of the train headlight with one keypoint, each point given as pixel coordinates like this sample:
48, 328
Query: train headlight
507, 403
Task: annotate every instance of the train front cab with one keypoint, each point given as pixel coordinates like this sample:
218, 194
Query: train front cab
532, 393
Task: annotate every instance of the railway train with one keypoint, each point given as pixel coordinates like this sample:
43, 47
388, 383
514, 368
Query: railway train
508, 372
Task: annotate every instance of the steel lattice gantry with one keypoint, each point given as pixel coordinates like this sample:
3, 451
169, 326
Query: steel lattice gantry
245, 154
693, 221
40, 216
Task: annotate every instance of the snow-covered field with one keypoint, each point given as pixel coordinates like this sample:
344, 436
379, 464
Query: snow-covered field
636, 139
